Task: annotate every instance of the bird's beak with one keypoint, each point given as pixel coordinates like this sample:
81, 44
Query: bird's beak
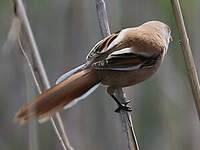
171, 38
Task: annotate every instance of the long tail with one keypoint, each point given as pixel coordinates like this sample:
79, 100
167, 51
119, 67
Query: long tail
65, 94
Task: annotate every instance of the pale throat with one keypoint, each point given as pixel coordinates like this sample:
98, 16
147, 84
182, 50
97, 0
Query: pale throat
166, 45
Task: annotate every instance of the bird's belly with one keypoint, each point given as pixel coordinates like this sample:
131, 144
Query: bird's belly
125, 78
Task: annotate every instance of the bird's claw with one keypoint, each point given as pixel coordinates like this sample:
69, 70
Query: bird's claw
126, 102
124, 108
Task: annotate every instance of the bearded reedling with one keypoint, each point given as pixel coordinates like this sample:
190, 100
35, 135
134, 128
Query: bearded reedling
122, 59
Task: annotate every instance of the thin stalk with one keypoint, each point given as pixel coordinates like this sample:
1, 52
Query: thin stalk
32, 125
57, 123
125, 116
190, 65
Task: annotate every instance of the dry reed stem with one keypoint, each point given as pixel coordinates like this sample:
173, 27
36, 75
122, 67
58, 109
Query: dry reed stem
184, 41
125, 116
57, 123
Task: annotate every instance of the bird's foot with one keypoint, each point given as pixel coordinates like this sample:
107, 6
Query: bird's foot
126, 102
124, 107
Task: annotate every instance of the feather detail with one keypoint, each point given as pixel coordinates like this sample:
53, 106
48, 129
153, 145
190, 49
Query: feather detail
101, 46
68, 74
55, 98
125, 60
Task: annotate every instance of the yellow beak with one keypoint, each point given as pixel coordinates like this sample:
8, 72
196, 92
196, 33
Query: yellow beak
171, 38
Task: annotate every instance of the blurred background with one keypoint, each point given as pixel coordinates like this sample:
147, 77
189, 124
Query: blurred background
163, 113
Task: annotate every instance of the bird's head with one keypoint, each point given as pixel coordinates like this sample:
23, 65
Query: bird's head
162, 29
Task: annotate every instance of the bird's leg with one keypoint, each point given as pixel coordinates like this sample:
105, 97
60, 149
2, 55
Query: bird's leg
121, 106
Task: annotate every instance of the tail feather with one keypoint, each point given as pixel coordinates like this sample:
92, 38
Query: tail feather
62, 94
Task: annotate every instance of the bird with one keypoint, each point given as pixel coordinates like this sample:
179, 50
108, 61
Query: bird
121, 59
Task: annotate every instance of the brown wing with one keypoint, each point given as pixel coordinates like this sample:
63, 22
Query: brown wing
127, 62
101, 46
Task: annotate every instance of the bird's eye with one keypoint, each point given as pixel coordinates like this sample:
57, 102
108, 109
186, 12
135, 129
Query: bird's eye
168, 29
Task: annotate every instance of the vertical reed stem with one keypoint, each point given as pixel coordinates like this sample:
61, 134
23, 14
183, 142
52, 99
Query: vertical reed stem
125, 116
184, 41
57, 123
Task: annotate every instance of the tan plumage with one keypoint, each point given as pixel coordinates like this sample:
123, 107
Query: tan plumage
58, 96
121, 59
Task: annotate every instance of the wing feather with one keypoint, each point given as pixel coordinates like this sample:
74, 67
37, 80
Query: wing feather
101, 46
128, 61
